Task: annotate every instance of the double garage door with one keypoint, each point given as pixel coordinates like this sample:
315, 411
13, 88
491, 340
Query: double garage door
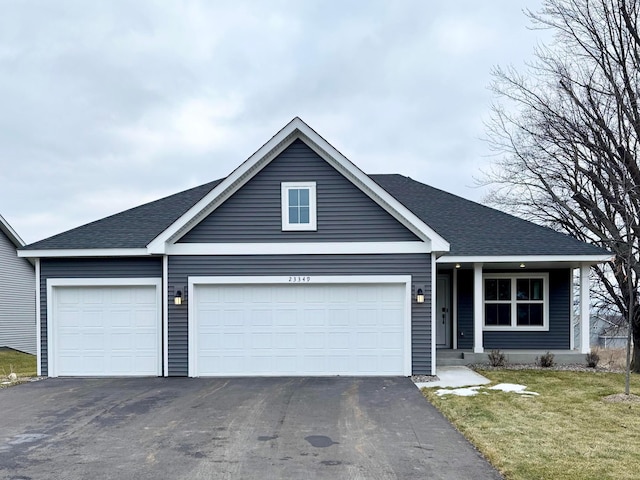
300, 329
234, 329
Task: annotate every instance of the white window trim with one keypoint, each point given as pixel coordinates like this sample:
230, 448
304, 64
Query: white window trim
514, 325
284, 197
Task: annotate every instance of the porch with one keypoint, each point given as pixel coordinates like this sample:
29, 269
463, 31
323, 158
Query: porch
534, 307
447, 357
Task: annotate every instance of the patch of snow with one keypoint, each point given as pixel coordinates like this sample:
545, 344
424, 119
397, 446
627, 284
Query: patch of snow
513, 387
471, 391
461, 392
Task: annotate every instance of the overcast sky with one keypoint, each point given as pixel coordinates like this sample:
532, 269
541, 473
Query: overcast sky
107, 105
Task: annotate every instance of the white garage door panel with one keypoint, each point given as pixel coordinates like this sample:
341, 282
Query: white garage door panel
105, 330
330, 329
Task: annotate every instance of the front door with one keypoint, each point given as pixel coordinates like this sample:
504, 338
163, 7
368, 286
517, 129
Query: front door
443, 312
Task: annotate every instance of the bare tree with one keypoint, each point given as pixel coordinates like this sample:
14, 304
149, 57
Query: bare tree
566, 133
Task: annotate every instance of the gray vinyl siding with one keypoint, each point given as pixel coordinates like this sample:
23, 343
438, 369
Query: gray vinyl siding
17, 299
253, 213
416, 265
150, 267
557, 338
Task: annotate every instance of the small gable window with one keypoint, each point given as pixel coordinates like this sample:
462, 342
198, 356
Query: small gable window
298, 205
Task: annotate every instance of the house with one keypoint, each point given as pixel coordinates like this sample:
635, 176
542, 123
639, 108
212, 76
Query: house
298, 263
17, 294
608, 331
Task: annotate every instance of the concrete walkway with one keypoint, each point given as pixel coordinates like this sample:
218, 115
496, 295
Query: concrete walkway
455, 377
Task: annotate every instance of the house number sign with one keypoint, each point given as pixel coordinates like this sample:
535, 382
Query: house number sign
299, 279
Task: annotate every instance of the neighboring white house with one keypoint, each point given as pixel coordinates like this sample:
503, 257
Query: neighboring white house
608, 331
17, 294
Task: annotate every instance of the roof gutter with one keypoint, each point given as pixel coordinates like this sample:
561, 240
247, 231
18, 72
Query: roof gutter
84, 252
592, 259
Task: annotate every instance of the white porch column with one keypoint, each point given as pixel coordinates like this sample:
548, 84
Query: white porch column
572, 302
585, 307
478, 310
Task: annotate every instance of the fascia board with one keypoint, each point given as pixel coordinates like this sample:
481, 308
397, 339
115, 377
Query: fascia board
10, 233
299, 248
373, 190
84, 252
593, 259
227, 187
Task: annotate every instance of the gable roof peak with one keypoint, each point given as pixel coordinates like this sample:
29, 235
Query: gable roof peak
296, 128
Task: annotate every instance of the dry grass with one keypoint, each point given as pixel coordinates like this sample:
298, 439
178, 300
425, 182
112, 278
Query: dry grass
12, 361
612, 358
567, 432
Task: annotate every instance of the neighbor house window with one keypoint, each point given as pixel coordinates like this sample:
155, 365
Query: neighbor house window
516, 301
298, 205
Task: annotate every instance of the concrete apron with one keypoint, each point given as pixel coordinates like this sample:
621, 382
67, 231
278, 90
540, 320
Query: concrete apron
457, 376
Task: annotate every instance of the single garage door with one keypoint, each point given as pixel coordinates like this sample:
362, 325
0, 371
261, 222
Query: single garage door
105, 330
309, 329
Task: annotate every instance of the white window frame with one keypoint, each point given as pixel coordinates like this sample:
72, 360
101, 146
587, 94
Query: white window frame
514, 302
284, 197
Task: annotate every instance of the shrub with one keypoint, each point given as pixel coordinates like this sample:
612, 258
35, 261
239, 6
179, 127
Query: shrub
592, 358
497, 358
546, 360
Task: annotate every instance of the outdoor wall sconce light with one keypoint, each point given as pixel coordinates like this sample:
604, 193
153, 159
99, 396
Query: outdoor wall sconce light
457, 265
522, 265
419, 296
177, 300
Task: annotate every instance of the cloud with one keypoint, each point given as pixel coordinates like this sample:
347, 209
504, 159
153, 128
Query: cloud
125, 100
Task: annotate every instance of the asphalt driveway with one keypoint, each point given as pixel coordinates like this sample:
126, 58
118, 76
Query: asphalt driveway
253, 428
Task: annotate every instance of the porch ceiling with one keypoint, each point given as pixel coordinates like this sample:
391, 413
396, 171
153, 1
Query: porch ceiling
545, 265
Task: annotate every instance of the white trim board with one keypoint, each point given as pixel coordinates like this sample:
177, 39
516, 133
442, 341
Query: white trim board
388, 202
53, 283
434, 276
291, 248
303, 280
523, 258
84, 252
296, 129
165, 316
298, 248
38, 320
227, 187
10, 233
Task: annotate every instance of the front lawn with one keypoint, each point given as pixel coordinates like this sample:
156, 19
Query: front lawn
566, 432
22, 364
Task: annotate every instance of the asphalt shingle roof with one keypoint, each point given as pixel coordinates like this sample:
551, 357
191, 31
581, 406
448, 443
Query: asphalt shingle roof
134, 228
475, 230
470, 228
